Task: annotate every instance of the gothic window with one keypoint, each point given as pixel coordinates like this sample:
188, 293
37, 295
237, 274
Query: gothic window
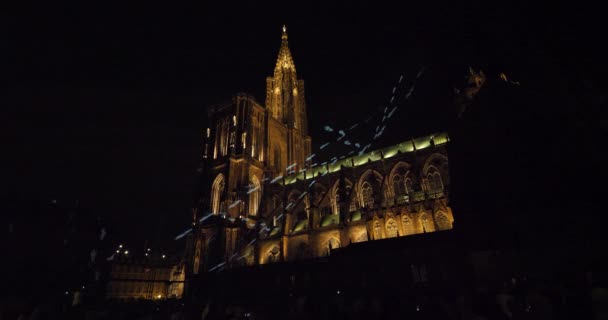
391, 228
435, 182
232, 140
353, 204
255, 194
336, 197
216, 193
398, 186
368, 195
409, 185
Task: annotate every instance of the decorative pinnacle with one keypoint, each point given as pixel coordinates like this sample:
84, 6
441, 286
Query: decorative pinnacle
284, 35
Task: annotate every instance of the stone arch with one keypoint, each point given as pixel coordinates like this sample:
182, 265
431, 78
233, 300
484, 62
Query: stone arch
392, 229
399, 171
335, 196
436, 163
370, 183
433, 159
320, 192
255, 195
217, 190
442, 221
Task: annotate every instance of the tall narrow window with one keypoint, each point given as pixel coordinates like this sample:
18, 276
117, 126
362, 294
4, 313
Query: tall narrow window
216, 193
254, 195
409, 185
435, 182
368, 195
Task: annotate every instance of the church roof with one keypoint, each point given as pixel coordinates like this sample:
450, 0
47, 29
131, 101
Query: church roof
371, 156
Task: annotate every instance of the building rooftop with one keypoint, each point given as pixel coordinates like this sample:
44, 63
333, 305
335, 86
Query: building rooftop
366, 157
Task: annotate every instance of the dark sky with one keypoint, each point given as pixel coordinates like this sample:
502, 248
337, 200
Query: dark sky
106, 104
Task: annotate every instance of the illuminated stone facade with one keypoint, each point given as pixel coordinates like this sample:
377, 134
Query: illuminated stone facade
261, 200
143, 279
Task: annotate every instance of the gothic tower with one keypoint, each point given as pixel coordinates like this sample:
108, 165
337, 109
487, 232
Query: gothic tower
246, 144
288, 129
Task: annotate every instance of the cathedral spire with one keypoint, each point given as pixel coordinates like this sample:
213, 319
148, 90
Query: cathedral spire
284, 60
285, 104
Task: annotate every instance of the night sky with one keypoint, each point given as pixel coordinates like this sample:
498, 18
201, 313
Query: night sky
106, 104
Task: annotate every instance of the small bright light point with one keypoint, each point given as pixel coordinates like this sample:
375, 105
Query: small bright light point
163, 256
67, 293
338, 292
83, 287
127, 252
146, 254
148, 249
159, 296
117, 251
120, 246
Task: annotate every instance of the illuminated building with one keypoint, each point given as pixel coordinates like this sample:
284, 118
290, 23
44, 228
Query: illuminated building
145, 278
263, 200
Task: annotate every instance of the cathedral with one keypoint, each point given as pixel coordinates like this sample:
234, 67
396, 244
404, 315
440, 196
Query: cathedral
262, 199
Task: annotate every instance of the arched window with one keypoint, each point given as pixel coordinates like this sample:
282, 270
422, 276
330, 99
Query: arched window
409, 186
216, 193
435, 182
398, 186
335, 199
367, 195
255, 194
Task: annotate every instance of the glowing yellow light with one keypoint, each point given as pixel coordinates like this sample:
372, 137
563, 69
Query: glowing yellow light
208, 132
159, 296
127, 252
284, 28
120, 246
